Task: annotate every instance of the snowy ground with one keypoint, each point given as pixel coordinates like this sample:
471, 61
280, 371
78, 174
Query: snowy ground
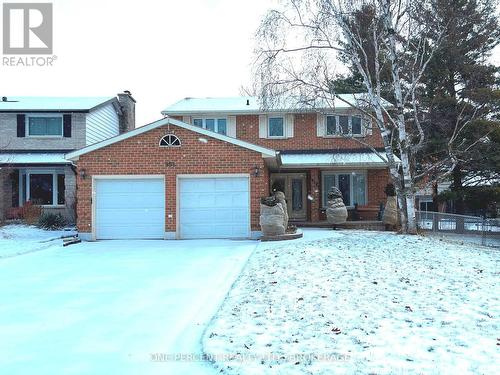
22, 239
112, 307
466, 239
361, 302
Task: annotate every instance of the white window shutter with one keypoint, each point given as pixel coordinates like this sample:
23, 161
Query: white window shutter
262, 126
289, 119
368, 124
320, 125
186, 119
231, 126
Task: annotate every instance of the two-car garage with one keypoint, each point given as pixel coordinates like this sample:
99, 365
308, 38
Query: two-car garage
170, 180
209, 206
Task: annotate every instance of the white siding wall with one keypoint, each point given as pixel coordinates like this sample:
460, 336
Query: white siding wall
102, 123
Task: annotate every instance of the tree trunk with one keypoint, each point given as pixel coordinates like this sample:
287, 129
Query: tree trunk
435, 203
408, 193
402, 209
411, 213
457, 187
435, 193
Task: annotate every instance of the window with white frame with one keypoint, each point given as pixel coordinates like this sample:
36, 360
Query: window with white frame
42, 187
44, 125
338, 125
170, 140
218, 125
276, 127
352, 185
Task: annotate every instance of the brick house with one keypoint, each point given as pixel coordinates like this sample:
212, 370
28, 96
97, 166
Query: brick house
201, 171
36, 133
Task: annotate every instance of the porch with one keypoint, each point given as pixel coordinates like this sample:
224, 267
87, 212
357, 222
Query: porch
305, 179
359, 225
45, 179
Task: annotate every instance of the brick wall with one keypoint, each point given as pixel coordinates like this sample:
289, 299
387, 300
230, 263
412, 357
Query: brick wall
141, 155
315, 192
305, 135
377, 180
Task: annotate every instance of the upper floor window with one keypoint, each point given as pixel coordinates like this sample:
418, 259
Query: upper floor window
344, 125
276, 127
45, 126
218, 125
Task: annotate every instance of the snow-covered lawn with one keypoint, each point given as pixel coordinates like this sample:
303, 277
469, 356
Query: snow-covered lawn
22, 239
361, 302
112, 307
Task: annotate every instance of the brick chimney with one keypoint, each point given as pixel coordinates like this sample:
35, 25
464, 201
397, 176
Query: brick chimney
127, 105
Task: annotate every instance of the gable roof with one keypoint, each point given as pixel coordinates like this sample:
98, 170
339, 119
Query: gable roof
52, 104
252, 105
266, 152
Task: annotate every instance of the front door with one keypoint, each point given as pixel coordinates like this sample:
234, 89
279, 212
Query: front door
293, 185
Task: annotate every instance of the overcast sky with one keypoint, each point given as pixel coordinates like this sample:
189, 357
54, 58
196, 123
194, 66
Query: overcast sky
162, 51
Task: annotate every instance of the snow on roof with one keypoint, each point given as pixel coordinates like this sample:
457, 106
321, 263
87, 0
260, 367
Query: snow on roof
46, 103
33, 158
251, 104
359, 159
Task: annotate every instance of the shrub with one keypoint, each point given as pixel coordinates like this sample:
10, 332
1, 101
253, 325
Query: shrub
31, 213
390, 190
51, 221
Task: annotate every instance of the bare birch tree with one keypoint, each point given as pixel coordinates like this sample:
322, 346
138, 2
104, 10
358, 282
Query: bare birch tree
297, 60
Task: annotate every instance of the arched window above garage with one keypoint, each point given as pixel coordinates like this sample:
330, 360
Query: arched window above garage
170, 140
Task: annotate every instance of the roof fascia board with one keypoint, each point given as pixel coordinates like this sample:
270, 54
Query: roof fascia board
44, 110
103, 104
118, 138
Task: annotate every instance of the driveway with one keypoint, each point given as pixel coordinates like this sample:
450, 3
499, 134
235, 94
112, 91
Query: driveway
107, 307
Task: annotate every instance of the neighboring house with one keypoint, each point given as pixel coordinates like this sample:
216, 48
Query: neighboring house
201, 171
424, 201
36, 133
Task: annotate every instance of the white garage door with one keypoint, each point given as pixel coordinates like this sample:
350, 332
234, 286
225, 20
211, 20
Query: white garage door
214, 207
130, 208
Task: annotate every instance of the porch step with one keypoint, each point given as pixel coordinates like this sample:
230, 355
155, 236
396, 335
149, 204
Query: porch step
365, 225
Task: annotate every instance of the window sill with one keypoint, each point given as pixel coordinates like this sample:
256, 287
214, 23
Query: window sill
345, 136
45, 136
53, 206
275, 137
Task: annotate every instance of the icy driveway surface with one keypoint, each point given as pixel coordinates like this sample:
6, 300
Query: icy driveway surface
105, 307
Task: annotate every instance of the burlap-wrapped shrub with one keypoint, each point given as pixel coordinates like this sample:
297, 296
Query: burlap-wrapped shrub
336, 212
272, 217
280, 197
390, 216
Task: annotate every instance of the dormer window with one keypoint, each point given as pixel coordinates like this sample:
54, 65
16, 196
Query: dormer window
170, 140
45, 125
